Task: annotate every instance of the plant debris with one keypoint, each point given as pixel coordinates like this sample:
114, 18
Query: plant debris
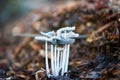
93, 57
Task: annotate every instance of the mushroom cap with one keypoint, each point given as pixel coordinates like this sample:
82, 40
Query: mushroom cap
68, 29
62, 37
62, 40
42, 38
71, 34
66, 41
48, 34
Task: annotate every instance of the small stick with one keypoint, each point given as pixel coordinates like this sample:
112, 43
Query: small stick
103, 28
92, 36
24, 43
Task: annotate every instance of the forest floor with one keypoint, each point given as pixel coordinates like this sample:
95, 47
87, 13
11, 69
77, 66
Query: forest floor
94, 57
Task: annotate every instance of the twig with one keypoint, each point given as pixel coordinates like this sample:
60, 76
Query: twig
24, 43
92, 37
103, 28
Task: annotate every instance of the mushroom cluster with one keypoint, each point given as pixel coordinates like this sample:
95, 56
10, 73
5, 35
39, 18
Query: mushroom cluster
60, 46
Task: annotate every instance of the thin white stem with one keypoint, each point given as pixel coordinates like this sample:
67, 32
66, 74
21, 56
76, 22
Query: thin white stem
52, 64
64, 58
46, 58
55, 61
58, 57
62, 66
67, 57
61, 59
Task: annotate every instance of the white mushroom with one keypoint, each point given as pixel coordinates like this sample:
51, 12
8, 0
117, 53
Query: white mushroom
42, 38
68, 29
59, 56
48, 34
72, 35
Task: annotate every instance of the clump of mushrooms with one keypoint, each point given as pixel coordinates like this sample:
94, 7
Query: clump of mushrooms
60, 48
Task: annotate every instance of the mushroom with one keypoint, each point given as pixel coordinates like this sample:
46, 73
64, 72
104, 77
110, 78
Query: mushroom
60, 48
48, 34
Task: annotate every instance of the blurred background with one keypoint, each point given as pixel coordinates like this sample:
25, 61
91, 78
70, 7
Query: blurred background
98, 20
15, 10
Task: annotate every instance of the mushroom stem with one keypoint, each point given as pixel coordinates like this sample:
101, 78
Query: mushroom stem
65, 54
67, 57
52, 63
64, 58
58, 58
61, 60
55, 61
46, 58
